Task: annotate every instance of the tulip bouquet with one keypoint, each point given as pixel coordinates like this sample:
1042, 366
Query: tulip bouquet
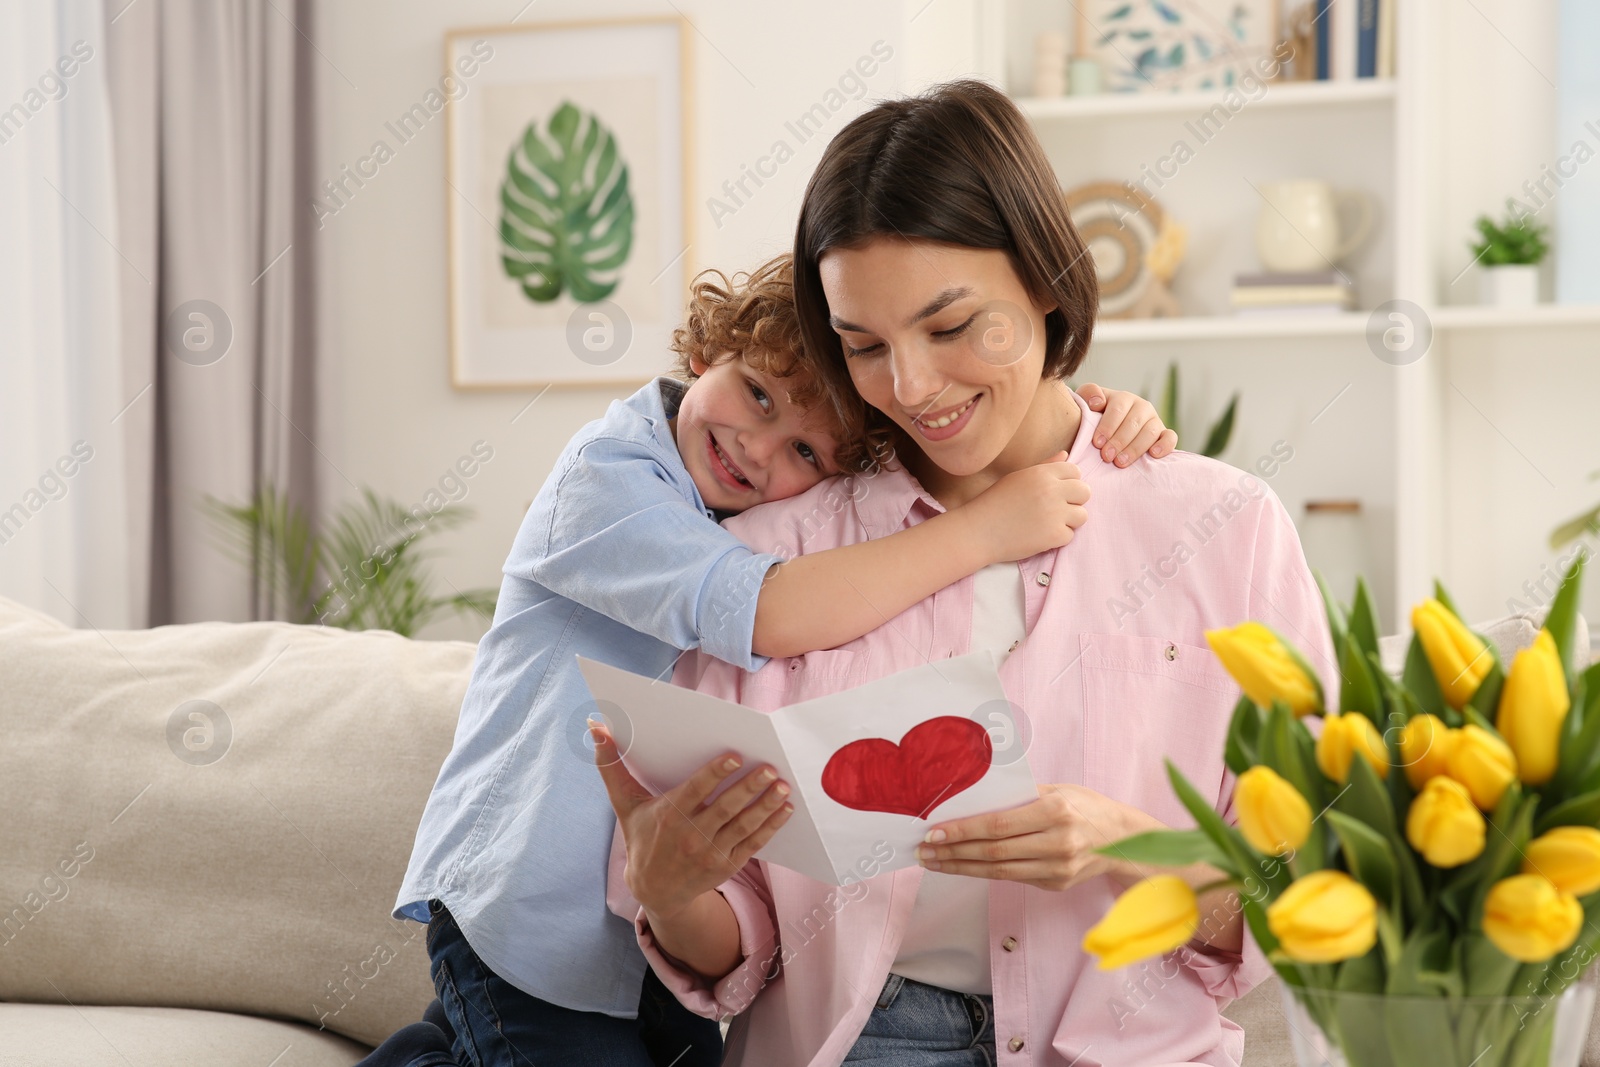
1420, 863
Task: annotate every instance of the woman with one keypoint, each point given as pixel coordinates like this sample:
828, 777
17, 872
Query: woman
936, 261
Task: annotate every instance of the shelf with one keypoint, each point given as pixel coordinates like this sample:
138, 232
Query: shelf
1467, 317
1277, 95
1228, 327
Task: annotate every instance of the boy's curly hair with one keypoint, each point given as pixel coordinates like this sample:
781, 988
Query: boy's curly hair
752, 316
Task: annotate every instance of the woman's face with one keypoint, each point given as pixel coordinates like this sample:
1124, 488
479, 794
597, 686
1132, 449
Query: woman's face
943, 339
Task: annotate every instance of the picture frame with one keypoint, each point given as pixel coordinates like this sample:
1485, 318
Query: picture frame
569, 152
1177, 45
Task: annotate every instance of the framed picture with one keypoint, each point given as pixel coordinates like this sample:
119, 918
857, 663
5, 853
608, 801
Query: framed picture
1173, 45
569, 244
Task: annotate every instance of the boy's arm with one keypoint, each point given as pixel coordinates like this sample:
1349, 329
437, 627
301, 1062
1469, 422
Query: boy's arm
611, 532
827, 598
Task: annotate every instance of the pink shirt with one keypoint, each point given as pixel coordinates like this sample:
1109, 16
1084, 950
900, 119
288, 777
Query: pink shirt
1113, 678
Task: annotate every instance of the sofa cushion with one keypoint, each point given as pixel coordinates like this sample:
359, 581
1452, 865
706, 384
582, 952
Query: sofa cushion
218, 816
59, 1035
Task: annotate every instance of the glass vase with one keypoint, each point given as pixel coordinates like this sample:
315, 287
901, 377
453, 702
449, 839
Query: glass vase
1334, 1029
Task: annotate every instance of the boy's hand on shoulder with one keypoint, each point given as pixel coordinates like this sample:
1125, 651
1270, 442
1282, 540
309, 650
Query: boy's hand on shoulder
1031, 510
1129, 426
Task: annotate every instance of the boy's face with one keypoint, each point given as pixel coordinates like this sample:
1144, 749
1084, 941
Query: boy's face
742, 440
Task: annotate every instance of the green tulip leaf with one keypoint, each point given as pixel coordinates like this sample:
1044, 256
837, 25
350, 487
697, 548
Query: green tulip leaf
1336, 619
1358, 690
566, 220
1244, 733
1363, 974
1364, 797
1563, 617
1489, 971
1364, 620
1418, 680
1170, 848
1242, 859
1425, 950
1581, 810
1486, 698
1368, 855
1443, 597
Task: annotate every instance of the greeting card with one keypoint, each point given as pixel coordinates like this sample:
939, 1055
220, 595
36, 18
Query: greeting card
871, 768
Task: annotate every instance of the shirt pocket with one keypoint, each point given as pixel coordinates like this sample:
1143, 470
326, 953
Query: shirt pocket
797, 678
1147, 700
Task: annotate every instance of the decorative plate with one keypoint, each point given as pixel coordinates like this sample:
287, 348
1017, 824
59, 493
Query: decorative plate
1119, 224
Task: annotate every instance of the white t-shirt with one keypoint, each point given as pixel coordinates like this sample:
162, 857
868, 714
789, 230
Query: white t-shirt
947, 941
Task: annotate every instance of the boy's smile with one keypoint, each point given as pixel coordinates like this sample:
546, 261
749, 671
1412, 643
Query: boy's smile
744, 442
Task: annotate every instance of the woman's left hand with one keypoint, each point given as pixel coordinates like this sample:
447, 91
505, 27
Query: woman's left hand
1049, 843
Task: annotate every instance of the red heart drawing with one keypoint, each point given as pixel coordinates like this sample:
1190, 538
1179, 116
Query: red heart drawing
932, 763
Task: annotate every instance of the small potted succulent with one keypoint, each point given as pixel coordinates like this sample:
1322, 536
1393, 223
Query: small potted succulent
1509, 255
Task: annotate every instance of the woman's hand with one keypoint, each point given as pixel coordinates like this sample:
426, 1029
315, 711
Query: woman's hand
679, 846
1129, 425
1049, 843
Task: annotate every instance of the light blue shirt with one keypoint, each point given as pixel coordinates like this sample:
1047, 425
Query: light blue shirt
618, 560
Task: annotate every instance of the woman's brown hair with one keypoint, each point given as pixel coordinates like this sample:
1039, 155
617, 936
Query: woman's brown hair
957, 164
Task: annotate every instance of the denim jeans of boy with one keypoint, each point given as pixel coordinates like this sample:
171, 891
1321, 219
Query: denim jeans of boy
498, 1025
916, 1025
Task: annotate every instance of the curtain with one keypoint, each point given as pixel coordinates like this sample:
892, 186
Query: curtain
65, 500
211, 105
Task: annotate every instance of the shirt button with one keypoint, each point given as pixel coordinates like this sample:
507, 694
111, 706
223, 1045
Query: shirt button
1172, 652
1015, 1044
1044, 577
1009, 944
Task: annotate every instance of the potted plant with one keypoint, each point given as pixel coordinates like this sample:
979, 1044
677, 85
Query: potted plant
1510, 255
364, 570
1422, 868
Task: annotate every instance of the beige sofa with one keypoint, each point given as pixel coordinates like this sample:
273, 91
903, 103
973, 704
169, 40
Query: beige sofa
203, 830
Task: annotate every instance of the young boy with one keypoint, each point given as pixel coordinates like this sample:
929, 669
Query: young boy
621, 559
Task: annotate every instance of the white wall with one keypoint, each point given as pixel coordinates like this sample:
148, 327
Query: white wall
389, 418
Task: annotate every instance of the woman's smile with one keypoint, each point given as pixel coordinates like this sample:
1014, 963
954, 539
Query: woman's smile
945, 424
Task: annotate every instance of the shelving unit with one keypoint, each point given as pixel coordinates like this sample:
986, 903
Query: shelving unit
1464, 458
1275, 95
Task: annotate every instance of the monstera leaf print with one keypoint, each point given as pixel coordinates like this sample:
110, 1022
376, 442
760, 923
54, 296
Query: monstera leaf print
566, 218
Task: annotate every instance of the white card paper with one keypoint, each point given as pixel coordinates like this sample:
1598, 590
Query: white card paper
870, 768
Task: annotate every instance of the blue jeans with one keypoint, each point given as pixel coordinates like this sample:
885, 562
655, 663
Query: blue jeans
916, 1025
498, 1025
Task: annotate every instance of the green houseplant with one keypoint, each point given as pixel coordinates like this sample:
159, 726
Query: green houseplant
1221, 431
1510, 253
363, 570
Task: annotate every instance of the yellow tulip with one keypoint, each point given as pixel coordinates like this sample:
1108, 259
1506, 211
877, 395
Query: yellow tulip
1529, 919
1265, 668
1425, 748
1323, 917
1273, 816
1155, 916
1444, 825
1569, 856
1345, 735
1459, 660
1532, 706
1483, 763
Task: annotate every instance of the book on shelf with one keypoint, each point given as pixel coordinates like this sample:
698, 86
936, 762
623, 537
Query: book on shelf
1293, 292
1367, 38
1290, 311
1343, 35
1354, 39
